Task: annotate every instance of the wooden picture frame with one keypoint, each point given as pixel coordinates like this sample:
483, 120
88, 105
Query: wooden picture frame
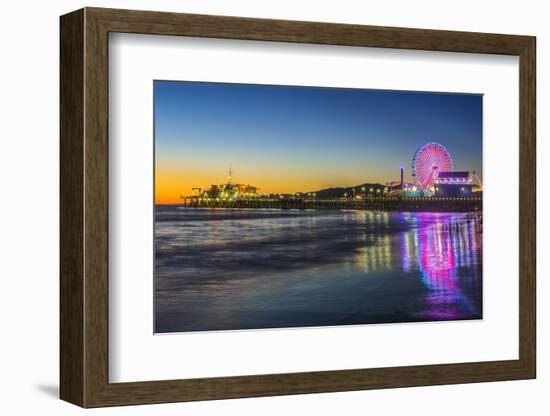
84, 207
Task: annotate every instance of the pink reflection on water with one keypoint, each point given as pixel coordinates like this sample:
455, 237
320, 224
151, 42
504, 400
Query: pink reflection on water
440, 243
437, 257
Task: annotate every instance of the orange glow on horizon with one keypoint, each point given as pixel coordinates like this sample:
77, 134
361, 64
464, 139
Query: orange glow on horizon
171, 184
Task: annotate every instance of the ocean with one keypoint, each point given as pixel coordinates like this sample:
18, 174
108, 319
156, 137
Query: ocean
231, 269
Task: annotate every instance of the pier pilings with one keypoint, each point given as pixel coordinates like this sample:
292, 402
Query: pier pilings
433, 204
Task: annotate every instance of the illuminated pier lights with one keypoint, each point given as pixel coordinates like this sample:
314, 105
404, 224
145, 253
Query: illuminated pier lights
454, 184
434, 175
228, 191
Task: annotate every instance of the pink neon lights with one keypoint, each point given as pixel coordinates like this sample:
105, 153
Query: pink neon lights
428, 161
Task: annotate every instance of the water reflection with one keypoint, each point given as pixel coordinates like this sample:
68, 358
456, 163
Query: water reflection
444, 246
437, 245
236, 269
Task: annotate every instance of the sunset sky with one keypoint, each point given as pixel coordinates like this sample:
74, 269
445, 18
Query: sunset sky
299, 139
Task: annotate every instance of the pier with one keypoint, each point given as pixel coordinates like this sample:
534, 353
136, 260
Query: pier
429, 204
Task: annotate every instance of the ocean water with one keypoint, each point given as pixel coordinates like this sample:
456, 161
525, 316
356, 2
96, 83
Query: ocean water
228, 269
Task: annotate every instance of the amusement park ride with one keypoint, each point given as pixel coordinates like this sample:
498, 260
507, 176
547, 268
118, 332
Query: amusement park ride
434, 175
428, 161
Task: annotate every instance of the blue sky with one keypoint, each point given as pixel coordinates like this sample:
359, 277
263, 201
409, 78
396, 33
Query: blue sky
303, 136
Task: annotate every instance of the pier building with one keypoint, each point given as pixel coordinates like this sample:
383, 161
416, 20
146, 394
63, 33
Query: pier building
457, 183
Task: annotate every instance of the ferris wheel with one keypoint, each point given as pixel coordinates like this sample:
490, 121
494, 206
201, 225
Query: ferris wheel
428, 161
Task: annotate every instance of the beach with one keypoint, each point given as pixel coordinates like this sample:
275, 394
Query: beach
230, 269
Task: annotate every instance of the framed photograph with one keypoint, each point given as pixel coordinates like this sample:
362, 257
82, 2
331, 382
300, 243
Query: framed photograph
256, 207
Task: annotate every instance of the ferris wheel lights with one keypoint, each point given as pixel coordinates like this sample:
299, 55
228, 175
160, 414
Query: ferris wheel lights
428, 161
